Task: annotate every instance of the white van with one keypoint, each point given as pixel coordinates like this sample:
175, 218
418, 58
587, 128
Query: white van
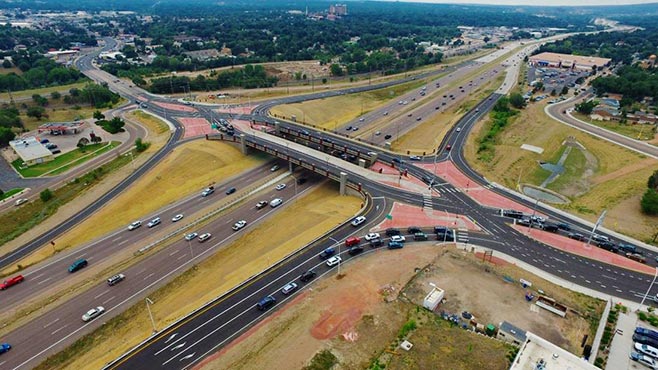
276, 202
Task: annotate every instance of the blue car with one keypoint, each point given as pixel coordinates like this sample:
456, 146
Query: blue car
4, 347
395, 245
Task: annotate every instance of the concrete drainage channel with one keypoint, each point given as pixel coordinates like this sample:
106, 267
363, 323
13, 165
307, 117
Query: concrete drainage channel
213, 213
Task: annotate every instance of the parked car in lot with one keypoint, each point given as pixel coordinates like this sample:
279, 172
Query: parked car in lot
11, 282
261, 204
577, 236
77, 265
280, 187
116, 279
358, 221
646, 332
374, 243
154, 222
328, 252
191, 236
266, 303
333, 261
386, 137
644, 360
646, 350
177, 218
395, 245
636, 257
645, 340
371, 236
353, 251
289, 288
93, 313
134, 225
204, 237
239, 225
307, 276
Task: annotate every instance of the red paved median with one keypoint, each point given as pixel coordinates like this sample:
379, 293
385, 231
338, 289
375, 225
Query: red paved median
195, 126
178, 107
404, 215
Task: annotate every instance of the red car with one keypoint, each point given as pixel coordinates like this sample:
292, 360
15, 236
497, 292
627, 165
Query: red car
11, 282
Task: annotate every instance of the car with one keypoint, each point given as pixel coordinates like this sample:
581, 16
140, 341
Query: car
230, 191
414, 229
627, 248
154, 222
418, 118
448, 147
93, 313
361, 119
550, 227
11, 282
289, 288
191, 236
261, 204
392, 231
4, 347
51, 146
371, 236
386, 137
239, 225
207, 191
563, 226
177, 218
358, 221
349, 128
276, 202
328, 252
458, 129
577, 236
646, 350
395, 245
398, 238
20, 201
44, 141
646, 332
266, 303
386, 113
77, 265
275, 168
116, 279
302, 181
134, 225
644, 360
307, 276
280, 187
333, 261
410, 114
437, 107
353, 251
355, 129
645, 340
377, 133
600, 238
420, 236
415, 158
636, 257
204, 237
537, 219
374, 243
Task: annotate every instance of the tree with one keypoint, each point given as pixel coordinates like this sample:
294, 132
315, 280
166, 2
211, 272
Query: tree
98, 116
6, 64
565, 90
83, 142
46, 195
336, 70
6, 135
55, 95
517, 100
649, 202
553, 92
586, 107
36, 112
140, 145
653, 181
39, 100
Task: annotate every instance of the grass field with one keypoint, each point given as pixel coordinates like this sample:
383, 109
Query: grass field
65, 161
619, 174
10, 192
177, 176
314, 214
634, 131
44, 91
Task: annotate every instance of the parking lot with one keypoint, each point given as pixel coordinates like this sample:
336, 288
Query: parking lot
555, 78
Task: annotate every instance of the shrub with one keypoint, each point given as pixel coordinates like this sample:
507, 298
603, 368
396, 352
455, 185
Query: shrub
46, 195
140, 145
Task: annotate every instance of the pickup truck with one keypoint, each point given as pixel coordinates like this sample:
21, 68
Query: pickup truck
11, 282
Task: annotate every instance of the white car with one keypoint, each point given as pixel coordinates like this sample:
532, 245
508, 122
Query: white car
358, 221
153, 222
647, 350
204, 237
239, 225
280, 187
398, 238
134, 225
415, 158
191, 236
333, 261
93, 313
177, 218
458, 129
371, 236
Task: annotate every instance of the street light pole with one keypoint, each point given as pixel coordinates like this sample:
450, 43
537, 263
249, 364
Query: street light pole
649, 289
148, 308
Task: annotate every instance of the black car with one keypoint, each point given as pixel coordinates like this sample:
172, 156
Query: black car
266, 303
307, 276
564, 226
441, 230
512, 213
609, 246
447, 236
386, 137
577, 236
230, 191
414, 229
550, 227
642, 339
355, 250
374, 243
392, 231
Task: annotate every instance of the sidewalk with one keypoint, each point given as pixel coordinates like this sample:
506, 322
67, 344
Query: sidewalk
622, 344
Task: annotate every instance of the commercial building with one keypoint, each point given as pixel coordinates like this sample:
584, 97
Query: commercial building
538, 353
61, 128
31, 151
556, 60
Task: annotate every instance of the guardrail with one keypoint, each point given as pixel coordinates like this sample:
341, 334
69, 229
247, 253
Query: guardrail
251, 278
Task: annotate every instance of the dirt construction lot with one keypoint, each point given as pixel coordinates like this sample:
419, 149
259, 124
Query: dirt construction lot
359, 316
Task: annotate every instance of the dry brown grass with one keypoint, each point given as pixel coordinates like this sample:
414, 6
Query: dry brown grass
621, 173
312, 215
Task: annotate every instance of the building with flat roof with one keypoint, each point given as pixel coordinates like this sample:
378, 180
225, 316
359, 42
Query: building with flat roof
31, 151
556, 60
538, 353
510, 333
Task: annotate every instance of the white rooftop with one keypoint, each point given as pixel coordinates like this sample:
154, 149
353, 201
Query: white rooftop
537, 351
29, 149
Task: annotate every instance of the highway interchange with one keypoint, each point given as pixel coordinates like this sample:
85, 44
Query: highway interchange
212, 326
